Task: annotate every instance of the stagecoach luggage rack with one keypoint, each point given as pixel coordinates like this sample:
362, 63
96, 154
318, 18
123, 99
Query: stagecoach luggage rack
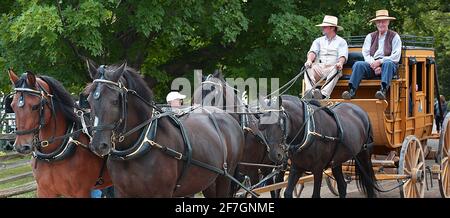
407, 41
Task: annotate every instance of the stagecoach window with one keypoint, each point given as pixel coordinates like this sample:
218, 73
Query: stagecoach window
420, 76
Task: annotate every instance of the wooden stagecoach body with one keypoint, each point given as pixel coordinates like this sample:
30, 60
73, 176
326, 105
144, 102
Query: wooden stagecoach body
392, 119
403, 123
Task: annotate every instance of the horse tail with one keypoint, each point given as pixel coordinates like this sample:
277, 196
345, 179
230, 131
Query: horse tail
364, 173
363, 166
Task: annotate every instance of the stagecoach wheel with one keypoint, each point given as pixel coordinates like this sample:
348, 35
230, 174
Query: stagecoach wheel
444, 153
412, 164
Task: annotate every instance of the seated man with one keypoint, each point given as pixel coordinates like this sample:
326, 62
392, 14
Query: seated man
381, 50
331, 51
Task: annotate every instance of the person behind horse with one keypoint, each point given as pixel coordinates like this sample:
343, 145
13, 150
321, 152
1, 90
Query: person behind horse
381, 50
326, 57
175, 102
175, 99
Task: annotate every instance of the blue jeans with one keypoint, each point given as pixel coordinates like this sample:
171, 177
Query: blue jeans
362, 70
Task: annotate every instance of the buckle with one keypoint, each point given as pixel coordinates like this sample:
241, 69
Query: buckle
44, 144
180, 155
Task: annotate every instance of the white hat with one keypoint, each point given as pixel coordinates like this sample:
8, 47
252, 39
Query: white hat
382, 15
330, 21
174, 95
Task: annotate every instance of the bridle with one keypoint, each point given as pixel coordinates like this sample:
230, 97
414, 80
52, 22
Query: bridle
44, 96
119, 128
117, 132
283, 122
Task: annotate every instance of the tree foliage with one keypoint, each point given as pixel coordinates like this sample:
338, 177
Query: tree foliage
168, 39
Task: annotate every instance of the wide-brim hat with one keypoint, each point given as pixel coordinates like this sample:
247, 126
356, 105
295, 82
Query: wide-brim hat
382, 15
330, 21
174, 95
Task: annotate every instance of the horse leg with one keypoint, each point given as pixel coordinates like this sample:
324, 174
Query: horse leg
223, 185
339, 177
278, 178
294, 175
317, 183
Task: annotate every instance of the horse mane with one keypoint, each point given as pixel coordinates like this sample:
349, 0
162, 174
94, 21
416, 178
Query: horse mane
64, 101
135, 82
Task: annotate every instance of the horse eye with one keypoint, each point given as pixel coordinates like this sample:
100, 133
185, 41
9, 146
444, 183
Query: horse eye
34, 107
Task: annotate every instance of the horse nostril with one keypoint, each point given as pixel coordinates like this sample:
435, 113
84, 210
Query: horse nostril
279, 156
103, 146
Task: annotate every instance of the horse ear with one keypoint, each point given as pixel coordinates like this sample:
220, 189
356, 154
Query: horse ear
12, 76
31, 79
92, 68
119, 72
218, 74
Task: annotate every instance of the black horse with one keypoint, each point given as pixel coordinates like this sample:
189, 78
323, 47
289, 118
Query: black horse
215, 91
312, 137
159, 155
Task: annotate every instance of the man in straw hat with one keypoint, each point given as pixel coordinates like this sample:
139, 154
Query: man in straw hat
381, 51
326, 57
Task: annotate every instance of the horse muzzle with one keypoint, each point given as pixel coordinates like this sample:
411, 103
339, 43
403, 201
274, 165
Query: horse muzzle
24, 148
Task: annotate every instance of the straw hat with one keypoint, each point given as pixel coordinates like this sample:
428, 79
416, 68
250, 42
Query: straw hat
174, 95
330, 21
382, 15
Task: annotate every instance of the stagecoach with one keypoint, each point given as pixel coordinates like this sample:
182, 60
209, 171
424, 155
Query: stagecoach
403, 123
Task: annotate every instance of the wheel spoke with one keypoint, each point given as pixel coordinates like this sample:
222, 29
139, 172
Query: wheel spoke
411, 190
416, 191
417, 156
420, 165
421, 189
406, 171
406, 188
411, 153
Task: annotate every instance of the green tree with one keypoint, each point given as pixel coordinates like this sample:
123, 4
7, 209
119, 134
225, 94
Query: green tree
167, 39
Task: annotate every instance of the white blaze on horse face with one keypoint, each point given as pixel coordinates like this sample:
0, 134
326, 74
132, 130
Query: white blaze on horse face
95, 121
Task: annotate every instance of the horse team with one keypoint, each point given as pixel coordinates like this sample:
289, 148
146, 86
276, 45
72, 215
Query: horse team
129, 142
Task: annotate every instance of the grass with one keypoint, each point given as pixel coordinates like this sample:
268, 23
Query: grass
16, 171
16, 183
26, 195
17, 159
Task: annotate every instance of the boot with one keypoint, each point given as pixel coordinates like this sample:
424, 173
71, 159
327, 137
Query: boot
381, 95
347, 95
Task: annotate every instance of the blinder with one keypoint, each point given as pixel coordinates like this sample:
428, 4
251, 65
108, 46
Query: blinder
83, 103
